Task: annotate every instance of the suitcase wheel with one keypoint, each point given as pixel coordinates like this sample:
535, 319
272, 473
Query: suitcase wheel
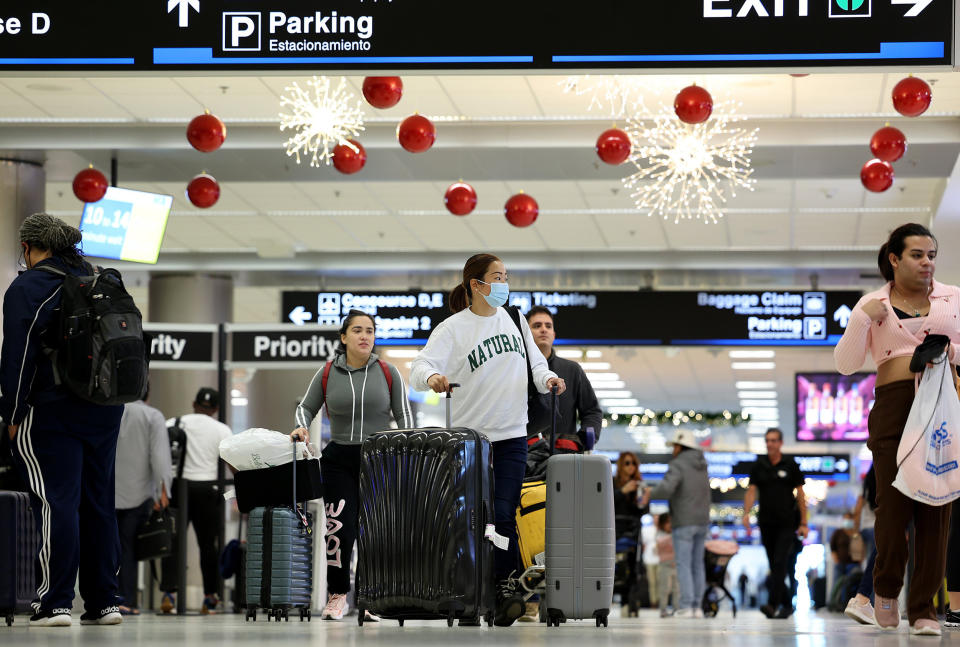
450, 619
360, 613
309, 614
9, 619
400, 620
554, 618
602, 620
489, 618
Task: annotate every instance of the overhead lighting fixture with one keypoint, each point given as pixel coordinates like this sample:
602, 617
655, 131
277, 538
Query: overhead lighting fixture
625, 411
758, 395
758, 403
595, 366
689, 171
612, 384
322, 118
766, 415
602, 377
752, 354
402, 353
753, 366
613, 394
594, 354
569, 354
620, 402
756, 385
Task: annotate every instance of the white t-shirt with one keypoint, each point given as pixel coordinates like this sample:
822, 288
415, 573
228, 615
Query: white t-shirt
203, 445
486, 356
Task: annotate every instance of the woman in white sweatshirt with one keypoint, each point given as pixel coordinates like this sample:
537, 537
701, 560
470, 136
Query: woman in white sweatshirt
482, 349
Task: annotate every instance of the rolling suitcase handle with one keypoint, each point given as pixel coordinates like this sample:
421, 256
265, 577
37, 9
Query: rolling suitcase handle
303, 517
554, 396
449, 394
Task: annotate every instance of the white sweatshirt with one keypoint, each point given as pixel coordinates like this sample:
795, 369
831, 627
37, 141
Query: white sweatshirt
486, 356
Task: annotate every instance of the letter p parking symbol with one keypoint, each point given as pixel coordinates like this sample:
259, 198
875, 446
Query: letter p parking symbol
241, 31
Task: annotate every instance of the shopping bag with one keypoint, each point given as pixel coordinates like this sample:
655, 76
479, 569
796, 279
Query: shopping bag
259, 448
928, 458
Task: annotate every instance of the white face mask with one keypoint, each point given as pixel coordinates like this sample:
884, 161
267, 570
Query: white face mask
847, 524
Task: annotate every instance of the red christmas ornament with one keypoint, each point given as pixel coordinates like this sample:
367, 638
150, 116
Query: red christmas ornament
613, 146
521, 210
206, 133
346, 160
912, 96
888, 144
460, 198
877, 175
693, 105
203, 191
382, 91
416, 133
90, 185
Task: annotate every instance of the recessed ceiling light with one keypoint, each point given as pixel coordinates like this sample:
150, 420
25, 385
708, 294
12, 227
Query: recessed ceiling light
753, 366
756, 385
569, 354
613, 394
594, 354
595, 366
619, 402
765, 395
758, 403
752, 354
602, 377
401, 353
611, 384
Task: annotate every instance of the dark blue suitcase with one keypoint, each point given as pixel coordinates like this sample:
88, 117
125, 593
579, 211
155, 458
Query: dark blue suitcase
19, 548
278, 566
426, 497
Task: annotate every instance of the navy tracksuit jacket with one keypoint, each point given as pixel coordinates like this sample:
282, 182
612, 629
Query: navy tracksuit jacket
65, 449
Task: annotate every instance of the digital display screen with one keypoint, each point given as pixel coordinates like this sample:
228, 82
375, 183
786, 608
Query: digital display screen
834, 407
125, 225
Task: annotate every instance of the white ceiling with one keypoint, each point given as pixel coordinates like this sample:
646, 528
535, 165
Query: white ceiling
502, 134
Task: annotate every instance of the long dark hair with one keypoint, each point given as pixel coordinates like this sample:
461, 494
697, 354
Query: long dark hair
345, 326
475, 268
897, 243
48, 233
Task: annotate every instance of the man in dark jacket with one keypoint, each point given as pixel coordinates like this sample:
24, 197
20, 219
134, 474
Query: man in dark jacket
579, 401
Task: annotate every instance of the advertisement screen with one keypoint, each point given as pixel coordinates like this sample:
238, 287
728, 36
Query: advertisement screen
125, 225
834, 407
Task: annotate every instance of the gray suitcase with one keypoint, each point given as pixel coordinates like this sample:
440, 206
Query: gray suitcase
580, 538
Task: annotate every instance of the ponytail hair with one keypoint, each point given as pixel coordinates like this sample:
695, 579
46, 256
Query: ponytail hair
47, 233
895, 245
475, 268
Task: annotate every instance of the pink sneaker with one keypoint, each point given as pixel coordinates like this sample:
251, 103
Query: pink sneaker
336, 606
887, 613
925, 627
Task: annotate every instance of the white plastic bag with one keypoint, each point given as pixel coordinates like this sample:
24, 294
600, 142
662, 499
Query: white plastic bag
254, 449
928, 458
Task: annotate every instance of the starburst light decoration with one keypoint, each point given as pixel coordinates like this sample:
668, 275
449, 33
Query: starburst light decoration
689, 171
323, 118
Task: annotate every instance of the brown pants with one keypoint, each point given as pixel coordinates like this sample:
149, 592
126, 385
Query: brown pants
895, 511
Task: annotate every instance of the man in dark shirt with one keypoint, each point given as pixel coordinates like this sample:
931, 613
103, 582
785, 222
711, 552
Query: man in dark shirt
782, 517
579, 399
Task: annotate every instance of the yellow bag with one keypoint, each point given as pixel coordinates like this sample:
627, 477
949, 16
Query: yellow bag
532, 521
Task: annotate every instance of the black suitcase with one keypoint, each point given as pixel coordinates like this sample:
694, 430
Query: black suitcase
19, 548
426, 498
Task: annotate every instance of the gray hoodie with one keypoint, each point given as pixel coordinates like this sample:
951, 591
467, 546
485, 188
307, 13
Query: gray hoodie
687, 487
358, 401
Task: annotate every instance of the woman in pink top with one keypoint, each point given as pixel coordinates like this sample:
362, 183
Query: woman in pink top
891, 322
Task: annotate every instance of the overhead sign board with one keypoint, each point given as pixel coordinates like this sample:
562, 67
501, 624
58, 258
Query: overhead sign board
762, 318
254, 345
177, 35
182, 346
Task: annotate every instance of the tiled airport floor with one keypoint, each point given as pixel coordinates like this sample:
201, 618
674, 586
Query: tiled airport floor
748, 629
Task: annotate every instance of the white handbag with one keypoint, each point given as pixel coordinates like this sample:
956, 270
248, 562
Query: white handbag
928, 458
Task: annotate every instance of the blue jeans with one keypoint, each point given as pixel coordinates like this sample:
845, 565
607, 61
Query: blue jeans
691, 573
509, 467
866, 582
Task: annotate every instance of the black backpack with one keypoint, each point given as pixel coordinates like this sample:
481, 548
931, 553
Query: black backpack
98, 351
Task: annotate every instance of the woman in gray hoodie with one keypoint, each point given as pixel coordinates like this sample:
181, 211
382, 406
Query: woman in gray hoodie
360, 392
687, 487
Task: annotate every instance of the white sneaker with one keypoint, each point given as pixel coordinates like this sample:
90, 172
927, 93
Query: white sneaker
108, 616
862, 613
698, 612
55, 618
684, 613
336, 607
